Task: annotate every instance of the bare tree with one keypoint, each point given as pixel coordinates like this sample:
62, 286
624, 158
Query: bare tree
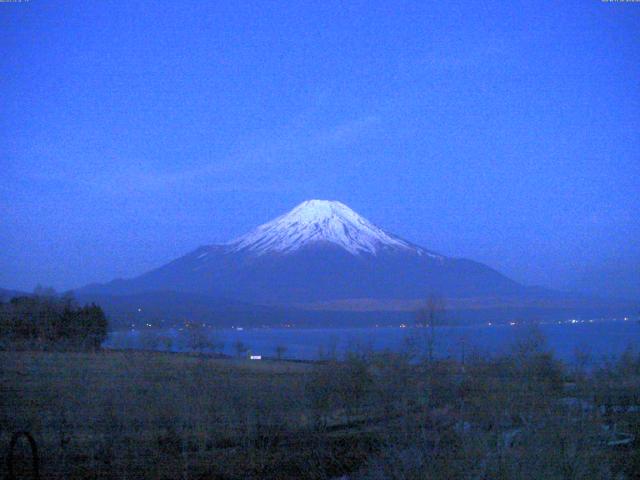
199, 340
280, 350
241, 348
428, 317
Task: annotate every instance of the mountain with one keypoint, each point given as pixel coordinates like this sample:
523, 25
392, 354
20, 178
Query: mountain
320, 251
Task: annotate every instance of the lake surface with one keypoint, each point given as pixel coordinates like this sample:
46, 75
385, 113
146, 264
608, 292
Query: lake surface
601, 339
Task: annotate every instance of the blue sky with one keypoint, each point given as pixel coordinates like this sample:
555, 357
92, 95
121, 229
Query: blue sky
506, 132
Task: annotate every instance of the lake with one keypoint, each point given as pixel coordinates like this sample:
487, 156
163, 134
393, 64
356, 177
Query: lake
601, 339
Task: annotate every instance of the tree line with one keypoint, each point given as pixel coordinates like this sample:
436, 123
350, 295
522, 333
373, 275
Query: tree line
47, 321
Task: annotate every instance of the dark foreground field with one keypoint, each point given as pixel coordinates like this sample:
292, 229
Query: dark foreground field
150, 415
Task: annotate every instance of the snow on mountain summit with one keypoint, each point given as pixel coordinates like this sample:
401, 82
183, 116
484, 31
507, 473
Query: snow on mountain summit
320, 221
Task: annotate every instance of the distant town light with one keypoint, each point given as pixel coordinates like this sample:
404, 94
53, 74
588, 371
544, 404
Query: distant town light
255, 357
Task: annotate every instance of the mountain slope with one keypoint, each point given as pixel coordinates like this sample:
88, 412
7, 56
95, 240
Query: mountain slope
321, 250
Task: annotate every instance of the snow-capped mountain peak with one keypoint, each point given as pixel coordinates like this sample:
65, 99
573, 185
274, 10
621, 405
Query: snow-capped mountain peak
315, 221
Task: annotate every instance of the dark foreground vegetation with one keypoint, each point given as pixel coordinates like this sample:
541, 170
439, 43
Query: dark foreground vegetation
370, 416
45, 321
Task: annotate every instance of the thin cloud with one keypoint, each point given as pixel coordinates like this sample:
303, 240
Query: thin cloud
348, 131
278, 150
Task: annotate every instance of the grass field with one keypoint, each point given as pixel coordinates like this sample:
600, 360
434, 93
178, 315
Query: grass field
156, 415
135, 415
